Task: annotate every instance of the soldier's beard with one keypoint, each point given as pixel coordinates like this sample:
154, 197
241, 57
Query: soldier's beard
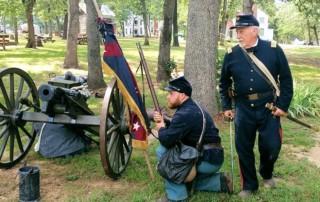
174, 104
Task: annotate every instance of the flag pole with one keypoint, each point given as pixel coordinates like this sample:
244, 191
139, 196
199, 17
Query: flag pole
97, 8
145, 152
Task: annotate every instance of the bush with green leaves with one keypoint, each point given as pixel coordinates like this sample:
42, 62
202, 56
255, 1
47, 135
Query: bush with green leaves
305, 100
170, 65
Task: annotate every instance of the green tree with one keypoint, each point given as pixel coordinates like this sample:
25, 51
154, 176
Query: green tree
289, 28
11, 11
311, 10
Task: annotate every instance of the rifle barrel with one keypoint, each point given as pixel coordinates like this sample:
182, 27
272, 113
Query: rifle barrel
150, 84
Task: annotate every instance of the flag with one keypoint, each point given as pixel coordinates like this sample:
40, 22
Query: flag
115, 62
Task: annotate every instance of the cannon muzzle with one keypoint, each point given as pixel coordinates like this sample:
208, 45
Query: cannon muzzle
48, 92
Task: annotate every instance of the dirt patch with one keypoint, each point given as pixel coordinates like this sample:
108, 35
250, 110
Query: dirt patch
312, 155
314, 62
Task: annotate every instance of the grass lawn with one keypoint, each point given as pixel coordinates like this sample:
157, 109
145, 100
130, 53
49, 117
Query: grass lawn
81, 178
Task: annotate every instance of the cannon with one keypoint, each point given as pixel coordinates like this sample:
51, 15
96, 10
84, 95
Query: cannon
20, 109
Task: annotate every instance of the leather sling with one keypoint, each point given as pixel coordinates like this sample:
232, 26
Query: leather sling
262, 70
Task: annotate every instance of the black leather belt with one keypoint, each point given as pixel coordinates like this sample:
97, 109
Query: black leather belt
256, 96
212, 146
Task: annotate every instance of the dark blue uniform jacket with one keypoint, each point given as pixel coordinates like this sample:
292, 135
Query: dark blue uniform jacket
186, 126
237, 69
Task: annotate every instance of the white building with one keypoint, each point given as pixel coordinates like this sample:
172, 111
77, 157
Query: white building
134, 27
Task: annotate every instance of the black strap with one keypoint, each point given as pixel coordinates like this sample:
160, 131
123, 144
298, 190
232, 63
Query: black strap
255, 68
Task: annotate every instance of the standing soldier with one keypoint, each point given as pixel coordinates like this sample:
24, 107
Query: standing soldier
259, 72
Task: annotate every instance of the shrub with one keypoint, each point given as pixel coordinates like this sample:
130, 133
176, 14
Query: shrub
305, 100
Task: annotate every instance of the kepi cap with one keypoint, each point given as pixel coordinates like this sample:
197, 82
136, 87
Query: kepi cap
180, 85
245, 21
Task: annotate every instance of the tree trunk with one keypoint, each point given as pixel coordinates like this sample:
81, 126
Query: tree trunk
50, 28
16, 35
316, 37
71, 57
46, 30
29, 9
175, 25
165, 41
65, 26
309, 32
201, 52
133, 19
223, 24
95, 75
247, 6
145, 23
123, 32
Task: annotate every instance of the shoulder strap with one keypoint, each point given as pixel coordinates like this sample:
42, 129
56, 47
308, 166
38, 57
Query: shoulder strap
204, 121
262, 71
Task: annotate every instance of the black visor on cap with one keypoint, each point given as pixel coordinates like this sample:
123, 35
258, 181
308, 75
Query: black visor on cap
245, 21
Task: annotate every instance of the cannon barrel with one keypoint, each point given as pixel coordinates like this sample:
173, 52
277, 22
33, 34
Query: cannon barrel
58, 100
48, 92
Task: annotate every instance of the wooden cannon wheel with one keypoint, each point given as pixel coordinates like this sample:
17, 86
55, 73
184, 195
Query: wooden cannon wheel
115, 138
16, 138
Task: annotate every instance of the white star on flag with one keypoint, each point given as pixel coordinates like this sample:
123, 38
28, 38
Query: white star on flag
136, 126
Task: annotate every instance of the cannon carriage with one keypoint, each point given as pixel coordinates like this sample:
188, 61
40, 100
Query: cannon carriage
22, 105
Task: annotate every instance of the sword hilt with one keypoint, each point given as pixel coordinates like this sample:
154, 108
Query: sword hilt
273, 108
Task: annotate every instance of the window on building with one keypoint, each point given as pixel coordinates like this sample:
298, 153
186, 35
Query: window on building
141, 22
141, 31
135, 32
135, 22
261, 20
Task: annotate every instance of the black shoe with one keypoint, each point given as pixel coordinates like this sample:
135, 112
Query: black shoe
226, 183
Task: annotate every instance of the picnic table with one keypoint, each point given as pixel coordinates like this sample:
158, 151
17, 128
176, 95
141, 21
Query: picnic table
82, 39
4, 41
47, 38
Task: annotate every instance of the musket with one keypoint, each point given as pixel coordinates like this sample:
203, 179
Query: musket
273, 108
150, 84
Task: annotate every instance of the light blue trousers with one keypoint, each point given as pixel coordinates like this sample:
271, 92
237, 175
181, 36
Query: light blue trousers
207, 179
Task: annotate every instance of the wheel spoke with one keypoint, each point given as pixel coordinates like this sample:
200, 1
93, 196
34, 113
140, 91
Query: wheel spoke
112, 119
12, 134
4, 143
112, 150
28, 93
5, 95
112, 129
19, 91
17, 134
12, 100
4, 109
125, 144
4, 130
2, 123
114, 107
121, 151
